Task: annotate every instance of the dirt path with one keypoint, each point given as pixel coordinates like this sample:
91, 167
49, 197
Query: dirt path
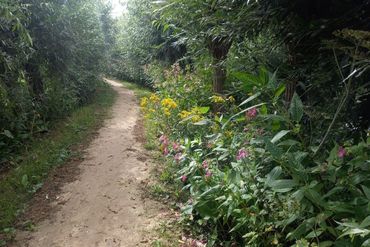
104, 206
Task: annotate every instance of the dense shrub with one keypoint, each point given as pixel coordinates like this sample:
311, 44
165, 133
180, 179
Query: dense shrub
252, 178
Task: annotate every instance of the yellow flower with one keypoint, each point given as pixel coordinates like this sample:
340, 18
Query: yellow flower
154, 98
217, 99
166, 111
196, 118
184, 114
231, 99
169, 103
144, 102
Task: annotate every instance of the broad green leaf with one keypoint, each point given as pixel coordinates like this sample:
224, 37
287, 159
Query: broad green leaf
211, 190
296, 108
366, 191
241, 112
283, 185
202, 122
314, 234
314, 197
279, 91
356, 231
302, 229
365, 222
203, 109
279, 135
250, 98
8, 134
273, 175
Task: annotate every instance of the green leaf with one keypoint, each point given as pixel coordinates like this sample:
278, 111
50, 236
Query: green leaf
314, 234
202, 122
296, 108
203, 109
356, 231
283, 185
365, 222
301, 229
211, 190
250, 98
241, 112
314, 197
366, 191
279, 91
8, 134
279, 135
273, 175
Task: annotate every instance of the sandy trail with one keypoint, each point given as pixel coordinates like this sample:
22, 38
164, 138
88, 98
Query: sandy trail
104, 206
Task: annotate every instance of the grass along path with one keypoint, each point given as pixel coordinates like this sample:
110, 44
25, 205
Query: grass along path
45, 154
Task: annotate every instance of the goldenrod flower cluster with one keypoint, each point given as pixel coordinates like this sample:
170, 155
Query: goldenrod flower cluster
168, 103
154, 98
217, 99
184, 114
231, 99
195, 114
144, 102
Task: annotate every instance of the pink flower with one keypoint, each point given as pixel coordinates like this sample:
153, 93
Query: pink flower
178, 157
184, 178
205, 164
242, 153
252, 113
208, 174
166, 151
176, 146
164, 140
342, 152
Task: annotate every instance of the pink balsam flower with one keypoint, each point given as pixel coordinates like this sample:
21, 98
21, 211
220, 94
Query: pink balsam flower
205, 164
208, 174
178, 157
176, 147
342, 152
184, 178
242, 154
251, 113
164, 140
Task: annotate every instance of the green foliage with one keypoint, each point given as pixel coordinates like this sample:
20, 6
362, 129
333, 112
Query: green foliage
252, 179
280, 156
52, 54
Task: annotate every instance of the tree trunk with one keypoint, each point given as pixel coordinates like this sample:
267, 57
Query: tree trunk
219, 48
35, 79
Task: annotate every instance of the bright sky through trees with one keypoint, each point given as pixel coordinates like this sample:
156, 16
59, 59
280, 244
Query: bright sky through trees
119, 6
